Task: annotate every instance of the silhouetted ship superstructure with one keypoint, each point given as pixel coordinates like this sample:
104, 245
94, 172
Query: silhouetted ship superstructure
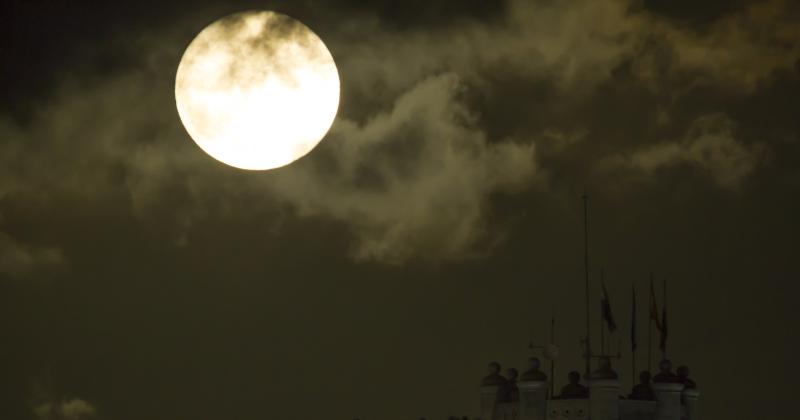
668, 396
665, 396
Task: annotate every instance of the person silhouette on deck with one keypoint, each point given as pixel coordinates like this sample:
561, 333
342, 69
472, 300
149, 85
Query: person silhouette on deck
494, 378
511, 391
574, 389
683, 377
665, 375
643, 390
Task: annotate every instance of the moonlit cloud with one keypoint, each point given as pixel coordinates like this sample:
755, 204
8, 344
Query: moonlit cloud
709, 145
65, 409
425, 134
740, 50
18, 259
579, 44
412, 180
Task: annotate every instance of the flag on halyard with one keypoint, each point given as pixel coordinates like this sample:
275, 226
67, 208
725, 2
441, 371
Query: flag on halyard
654, 306
607, 315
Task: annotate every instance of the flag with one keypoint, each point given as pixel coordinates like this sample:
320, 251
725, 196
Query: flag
633, 318
607, 315
654, 306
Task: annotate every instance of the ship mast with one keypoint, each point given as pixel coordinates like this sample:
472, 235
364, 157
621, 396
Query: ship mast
552, 356
586, 272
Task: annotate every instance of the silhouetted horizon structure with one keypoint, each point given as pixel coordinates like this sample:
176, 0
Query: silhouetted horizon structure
663, 396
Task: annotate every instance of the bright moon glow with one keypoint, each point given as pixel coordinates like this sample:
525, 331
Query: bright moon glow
257, 90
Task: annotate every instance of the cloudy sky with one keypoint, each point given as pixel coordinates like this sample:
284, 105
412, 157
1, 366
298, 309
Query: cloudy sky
436, 228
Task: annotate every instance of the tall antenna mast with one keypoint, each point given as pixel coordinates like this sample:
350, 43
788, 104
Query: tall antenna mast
552, 356
664, 322
602, 321
650, 326
586, 272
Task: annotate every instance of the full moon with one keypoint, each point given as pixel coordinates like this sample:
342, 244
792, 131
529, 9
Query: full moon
257, 90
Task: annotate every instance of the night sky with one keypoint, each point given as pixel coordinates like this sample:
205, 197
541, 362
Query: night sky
436, 228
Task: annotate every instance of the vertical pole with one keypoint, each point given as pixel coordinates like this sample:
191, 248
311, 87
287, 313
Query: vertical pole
552, 359
650, 328
602, 324
586, 278
664, 321
602, 336
634, 338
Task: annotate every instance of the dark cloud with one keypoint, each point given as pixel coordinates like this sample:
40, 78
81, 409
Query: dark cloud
18, 259
66, 409
709, 144
413, 182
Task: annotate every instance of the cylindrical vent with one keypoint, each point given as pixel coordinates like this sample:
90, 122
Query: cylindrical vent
668, 395
490, 395
691, 400
604, 399
533, 400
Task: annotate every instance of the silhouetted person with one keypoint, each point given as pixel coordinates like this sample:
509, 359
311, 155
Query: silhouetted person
643, 390
604, 371
574, 389
665, 375
511, 391
683, 377
533, 373
494, 377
